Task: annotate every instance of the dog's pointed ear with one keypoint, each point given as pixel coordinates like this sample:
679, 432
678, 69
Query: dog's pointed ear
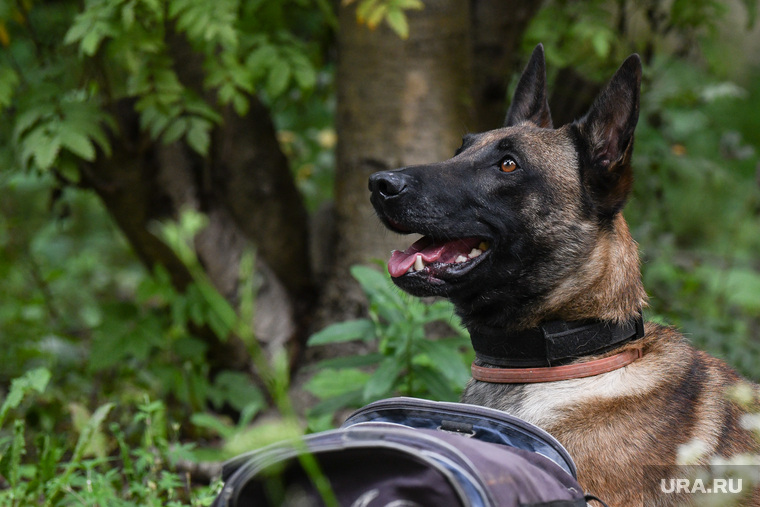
530, 103
607, 130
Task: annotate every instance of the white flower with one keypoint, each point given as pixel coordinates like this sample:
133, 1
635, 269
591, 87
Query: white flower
691, 452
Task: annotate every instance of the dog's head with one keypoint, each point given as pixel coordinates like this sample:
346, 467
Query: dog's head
518, 210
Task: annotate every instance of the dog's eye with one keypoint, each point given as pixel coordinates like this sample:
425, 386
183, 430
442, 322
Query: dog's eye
508, 165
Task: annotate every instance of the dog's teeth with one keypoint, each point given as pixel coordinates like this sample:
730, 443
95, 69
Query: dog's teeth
483, 246
475, 252
410, 270
418, 264
461, 259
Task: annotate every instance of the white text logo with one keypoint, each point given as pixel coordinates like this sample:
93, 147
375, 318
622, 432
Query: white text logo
699, 486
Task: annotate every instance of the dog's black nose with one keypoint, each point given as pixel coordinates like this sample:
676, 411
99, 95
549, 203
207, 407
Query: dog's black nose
387, 183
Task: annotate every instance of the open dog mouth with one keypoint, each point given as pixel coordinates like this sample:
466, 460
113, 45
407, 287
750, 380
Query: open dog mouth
438, 258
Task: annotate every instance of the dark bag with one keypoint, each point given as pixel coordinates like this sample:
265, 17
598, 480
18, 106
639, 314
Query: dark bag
407, 452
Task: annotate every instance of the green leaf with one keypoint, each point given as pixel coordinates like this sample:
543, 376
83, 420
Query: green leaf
446, 360
396, 19
49, 455
383, 380
437, 384
77, 143
33, 380
124, 334
47, 152
88, 432
374, 16
303, 71
377, 285
262, 434
349, 361
91, 41
199, 136
237, 389
409, 4
261, 59
226, 317
327, 384
360, 329
601, 44
214, 423
10, 464
80, 417
78, 30
166, 83
30, 117
352, 398
363, 9
176, 129
9, 80
241, 104
278, 78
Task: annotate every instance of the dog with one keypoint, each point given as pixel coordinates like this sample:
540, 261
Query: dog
523, 231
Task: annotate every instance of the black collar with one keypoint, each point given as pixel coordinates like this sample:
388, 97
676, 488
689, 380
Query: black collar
553, 343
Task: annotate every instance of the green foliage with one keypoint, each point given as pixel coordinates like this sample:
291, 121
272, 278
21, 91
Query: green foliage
577, 34
72, 123
58, 474
593, 36
695, 208
116, 353
406, 361
57, 89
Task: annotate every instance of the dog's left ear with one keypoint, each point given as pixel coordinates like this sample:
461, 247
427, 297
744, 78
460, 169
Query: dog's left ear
607, 130
529, 103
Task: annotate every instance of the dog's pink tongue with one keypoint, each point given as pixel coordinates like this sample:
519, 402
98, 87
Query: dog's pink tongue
431, 251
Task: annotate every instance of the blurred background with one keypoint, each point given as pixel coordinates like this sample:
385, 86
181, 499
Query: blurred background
183, 203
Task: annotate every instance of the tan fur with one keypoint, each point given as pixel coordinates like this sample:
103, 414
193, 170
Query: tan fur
607, 286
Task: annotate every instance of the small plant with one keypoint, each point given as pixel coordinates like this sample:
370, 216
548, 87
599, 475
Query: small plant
100, 469
405, 361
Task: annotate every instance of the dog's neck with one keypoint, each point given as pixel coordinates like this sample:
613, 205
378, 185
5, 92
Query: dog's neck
603, 297
606, 287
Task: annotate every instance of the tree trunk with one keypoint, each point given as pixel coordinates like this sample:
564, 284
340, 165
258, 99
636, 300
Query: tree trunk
400, 102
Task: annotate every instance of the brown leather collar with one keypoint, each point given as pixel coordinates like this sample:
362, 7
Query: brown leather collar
555, 373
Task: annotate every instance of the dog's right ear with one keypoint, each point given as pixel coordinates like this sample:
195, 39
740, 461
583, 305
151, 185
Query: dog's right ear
530, 102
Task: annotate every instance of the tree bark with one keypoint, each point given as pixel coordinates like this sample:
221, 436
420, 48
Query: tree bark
400, 102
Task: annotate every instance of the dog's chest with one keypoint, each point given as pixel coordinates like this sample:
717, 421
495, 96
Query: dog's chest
545, 404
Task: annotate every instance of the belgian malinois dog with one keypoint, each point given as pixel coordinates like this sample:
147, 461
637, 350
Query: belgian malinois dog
523, 232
